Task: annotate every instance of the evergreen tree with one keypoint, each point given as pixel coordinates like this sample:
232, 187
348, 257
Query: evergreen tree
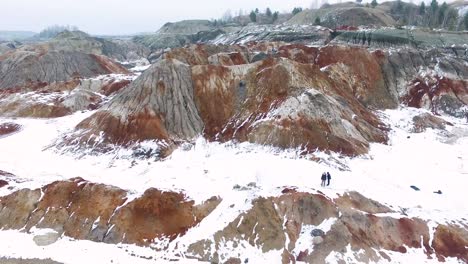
442, 14
257, 11
253, 16
317, 21
434, 6
268, 12
422, 8
374, 3
296, 10
465, 20
275, 16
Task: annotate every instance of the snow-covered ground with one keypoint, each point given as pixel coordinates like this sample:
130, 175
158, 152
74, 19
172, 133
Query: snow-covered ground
432, 161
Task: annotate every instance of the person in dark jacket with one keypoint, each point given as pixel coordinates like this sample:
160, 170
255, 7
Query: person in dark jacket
324, 178
328, 178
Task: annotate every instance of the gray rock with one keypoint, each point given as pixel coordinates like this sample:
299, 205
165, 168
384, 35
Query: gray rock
317, 233
317, 240
46, 239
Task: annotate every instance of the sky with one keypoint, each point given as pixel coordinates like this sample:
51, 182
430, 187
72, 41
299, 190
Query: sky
113, 17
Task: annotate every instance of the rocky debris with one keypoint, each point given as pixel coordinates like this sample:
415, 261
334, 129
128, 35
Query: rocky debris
64, 206
45, 239
424, 121
8, 128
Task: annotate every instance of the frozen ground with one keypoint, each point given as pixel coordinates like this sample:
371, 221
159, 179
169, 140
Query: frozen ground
204, 169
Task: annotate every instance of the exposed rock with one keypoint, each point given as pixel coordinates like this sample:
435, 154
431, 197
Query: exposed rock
424, 121
305, 34
64, 206
15, 209
404, 38
317, 240
317, 233
34, 68
8, 128
357, 201
46, 239
451, 241
3, 183
158, 105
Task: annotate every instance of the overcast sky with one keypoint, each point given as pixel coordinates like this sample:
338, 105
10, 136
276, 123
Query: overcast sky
124, 16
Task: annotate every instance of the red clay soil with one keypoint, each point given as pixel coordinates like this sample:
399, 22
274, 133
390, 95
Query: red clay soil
451, 241
214, 114
156, 214
3, 183
8, 128
433, 87
114, 86
143, 126
299, 53
109, 65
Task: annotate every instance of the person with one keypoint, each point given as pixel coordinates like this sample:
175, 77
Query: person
324, 178
328, 178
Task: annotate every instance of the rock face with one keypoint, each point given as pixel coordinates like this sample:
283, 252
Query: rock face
97, 212
158, 105
278, 223
306, 34
287, 100
424, 121
59, 98
33, 69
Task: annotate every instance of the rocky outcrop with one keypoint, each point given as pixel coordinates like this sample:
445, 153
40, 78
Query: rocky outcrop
158, 105
37, 69
59, 98
117, 49
382, 38
283, 224
83, 210
8, 128
304, 34
425, 121
258, 102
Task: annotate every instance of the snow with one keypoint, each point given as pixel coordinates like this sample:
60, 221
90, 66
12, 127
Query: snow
202, 169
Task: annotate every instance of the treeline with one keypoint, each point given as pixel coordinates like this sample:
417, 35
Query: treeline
434, 15
53, 31
267, 16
